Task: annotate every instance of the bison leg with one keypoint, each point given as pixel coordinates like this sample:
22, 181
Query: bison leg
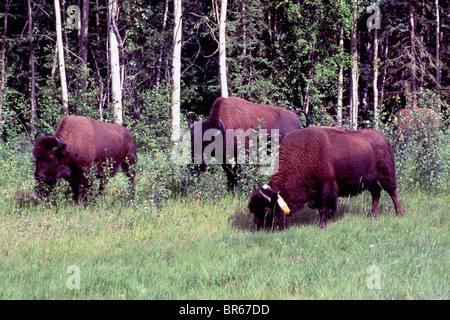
328, 203
397, 205
231, 176
79, 183
375, 190
77, 190
129, 167
391, 188
323, 218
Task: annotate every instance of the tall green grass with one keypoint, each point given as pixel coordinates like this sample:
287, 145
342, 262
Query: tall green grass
192, 246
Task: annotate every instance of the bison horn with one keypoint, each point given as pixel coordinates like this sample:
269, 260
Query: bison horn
265, 196
57, 140
222, 127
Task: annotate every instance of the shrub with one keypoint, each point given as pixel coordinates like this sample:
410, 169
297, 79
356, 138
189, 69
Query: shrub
422, 153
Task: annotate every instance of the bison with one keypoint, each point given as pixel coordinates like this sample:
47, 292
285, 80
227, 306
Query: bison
238, 114
78, 143
317, 165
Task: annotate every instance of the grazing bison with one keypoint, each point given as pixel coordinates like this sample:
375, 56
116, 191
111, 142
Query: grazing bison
78, 143
317, 165
239, 114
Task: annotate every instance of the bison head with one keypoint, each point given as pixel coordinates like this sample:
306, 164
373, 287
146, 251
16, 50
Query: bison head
198, 144
266, 209
49, 153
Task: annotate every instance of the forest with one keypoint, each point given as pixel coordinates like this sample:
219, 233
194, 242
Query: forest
178, 234
352, 63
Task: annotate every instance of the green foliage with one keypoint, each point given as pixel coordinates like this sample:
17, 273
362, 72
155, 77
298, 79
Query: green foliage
422, 153
148, 119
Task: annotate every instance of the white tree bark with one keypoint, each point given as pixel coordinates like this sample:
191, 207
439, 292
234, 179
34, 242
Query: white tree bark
438, 60
176, 72
222, 49
116, 85
341, 77
33, 73
62, 68
376, 109
354, 101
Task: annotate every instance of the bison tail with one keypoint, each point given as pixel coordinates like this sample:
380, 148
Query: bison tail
308, 122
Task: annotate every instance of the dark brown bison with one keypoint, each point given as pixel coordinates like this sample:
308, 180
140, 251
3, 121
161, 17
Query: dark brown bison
317, 165
79, 143
232, 114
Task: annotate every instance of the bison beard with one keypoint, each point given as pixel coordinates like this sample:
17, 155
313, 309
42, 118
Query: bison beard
79, 143
317, 165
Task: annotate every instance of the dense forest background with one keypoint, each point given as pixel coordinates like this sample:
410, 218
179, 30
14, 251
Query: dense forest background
290, 53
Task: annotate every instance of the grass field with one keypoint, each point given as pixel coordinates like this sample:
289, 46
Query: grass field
113, 248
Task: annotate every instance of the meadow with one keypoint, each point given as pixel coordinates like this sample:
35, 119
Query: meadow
190, 246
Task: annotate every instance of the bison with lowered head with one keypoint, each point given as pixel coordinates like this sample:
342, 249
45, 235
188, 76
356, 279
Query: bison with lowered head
239, 114
78, 143
317, 165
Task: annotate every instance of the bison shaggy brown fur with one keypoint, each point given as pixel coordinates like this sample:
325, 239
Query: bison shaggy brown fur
237, 113
317, 165
78, 143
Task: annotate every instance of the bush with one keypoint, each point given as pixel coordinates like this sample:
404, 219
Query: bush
422, 153
149, 121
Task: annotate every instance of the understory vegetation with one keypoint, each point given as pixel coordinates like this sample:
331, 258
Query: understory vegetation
183, 237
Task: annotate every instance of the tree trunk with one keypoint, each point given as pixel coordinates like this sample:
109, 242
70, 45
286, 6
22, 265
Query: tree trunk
341, 76
376, 109
33, 73
354, 101
161, 39
176, 72
383, 70
116, 86
62, 69
84, 49
222, 50
413, 55
438, 60
84, 32
3, 61
244, 36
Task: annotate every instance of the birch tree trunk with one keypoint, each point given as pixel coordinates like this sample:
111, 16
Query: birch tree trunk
84, 32
438, 60
116, 86
376, 109
384, 68
33, 73
176, 72
354, 101
341, 77
3, 62
222, 49
62, 68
